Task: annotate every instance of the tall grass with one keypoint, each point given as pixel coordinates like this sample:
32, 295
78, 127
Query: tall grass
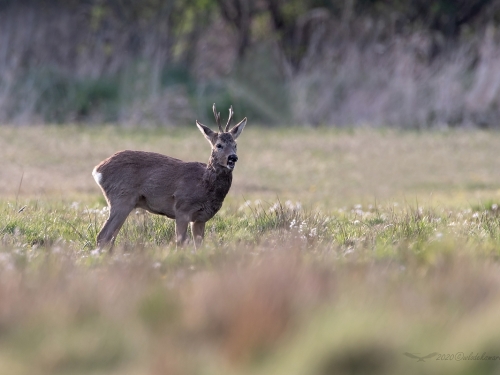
274, 289
172, 67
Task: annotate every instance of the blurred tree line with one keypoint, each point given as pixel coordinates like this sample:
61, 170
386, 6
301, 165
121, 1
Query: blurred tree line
385, 62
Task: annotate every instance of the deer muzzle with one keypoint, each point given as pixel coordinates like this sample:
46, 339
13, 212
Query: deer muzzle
231, 161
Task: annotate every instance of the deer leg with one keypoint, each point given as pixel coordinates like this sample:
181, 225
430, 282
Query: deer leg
198, 229
181, 226
108, 233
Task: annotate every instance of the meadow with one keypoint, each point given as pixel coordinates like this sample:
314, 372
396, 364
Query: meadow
336, 252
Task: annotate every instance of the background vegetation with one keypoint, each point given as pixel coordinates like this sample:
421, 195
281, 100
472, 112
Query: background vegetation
399, 62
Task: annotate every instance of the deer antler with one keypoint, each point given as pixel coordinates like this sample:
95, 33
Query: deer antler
230, 118
217, 118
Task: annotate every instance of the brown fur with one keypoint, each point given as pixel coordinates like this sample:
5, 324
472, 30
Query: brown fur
189, 192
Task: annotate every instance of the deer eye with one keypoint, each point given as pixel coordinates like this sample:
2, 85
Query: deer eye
218, 145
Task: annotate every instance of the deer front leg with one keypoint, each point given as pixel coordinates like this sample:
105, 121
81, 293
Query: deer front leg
198, 229
181, 226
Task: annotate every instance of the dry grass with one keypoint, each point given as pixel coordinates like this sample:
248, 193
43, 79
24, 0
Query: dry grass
343, 284
323, 168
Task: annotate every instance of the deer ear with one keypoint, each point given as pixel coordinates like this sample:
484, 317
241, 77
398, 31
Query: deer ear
238, 128
209, 134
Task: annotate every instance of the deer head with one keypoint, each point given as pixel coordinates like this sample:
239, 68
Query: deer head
223, 142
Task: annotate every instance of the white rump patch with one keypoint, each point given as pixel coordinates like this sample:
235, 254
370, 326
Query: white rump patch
97, 176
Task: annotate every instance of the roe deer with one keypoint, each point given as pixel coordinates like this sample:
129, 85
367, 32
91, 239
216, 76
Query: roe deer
189, 192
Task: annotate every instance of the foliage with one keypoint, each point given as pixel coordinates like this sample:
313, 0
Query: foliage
161, 62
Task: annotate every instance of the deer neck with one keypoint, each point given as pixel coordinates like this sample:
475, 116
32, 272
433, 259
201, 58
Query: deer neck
217, 180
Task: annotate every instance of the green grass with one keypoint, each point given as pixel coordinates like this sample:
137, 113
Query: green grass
395, 250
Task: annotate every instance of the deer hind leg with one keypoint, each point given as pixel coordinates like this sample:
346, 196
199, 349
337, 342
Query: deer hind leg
117, 216
198, 229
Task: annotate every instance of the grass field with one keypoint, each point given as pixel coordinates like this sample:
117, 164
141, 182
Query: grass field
336, 252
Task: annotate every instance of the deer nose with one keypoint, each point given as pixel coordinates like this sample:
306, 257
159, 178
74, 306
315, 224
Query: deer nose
232, 158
